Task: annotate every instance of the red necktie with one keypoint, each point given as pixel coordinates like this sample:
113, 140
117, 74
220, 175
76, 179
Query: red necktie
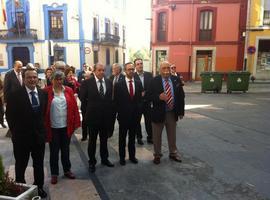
169, 94
131, 92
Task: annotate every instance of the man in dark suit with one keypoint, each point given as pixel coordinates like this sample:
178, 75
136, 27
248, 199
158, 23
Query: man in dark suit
96, 93
115, 78
167, 97
13, 79
85, 130
145, 78
128, 98
25, 116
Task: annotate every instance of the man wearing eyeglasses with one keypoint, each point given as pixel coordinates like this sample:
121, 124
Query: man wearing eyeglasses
145, 78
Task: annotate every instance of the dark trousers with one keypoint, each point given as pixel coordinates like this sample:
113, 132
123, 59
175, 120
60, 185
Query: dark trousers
123, 131
84, 126
103, 137
1, 112
146, 112
60, 142
22, 151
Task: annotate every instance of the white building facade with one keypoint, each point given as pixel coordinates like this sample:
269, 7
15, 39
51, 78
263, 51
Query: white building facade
77, 32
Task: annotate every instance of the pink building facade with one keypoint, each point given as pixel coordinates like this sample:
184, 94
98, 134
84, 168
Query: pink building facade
198, 35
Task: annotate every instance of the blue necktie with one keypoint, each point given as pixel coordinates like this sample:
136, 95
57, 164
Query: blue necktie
35, 105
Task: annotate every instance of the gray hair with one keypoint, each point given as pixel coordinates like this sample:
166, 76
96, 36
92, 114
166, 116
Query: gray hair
60, 65
57, 74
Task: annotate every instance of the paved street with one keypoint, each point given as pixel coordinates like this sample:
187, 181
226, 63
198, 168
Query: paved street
224, 140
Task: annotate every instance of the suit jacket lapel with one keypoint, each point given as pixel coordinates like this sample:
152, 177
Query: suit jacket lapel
15, 77
27, 100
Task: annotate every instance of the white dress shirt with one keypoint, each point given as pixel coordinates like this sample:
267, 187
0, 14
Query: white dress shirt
30, 96
103, 84
133, 84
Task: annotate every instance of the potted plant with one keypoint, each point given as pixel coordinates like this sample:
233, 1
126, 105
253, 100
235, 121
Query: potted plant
10, 190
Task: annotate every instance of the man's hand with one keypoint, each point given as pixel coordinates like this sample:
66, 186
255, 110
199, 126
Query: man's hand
163, 97
143, 93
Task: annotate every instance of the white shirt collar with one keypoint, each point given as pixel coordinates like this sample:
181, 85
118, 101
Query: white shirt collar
28, 90
97, 80
127, 79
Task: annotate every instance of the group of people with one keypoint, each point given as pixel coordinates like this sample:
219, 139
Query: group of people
51, 114
37, 115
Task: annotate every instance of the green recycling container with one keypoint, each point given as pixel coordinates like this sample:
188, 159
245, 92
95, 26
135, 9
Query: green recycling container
211, 81
238, 81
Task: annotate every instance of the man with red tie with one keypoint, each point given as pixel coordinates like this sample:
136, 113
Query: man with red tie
128, 100
167, 97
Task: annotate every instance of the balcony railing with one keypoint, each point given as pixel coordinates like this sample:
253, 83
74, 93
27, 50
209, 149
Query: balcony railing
266, 21
109, 39
15, 34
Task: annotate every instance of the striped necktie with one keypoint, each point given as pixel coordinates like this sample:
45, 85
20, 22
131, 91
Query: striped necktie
168, 92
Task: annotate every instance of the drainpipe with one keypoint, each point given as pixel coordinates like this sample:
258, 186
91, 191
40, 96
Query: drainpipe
81, 35
190, 44
247, 35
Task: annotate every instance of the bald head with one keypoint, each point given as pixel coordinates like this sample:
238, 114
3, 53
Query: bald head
18, 66
60, 65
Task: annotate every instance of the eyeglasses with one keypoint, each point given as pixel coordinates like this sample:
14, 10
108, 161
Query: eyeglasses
173, 67
139, 63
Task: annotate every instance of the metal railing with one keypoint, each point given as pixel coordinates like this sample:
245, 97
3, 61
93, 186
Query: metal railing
13, 33
106, 38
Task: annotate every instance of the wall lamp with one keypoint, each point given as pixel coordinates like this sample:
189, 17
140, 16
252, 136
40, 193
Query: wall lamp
172, 7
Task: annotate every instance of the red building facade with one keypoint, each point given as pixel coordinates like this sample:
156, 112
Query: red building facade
199, 35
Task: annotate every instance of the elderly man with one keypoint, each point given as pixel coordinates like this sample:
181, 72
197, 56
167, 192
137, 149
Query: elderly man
96, 93
167, 97
115, 78
13, 79
25, 117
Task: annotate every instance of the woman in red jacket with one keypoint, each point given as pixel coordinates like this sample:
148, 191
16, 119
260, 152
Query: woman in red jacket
62, 118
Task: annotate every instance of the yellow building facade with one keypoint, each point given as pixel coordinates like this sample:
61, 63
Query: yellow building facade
257, 54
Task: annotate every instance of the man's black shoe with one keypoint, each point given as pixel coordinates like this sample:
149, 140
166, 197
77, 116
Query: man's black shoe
122, 162
42, 193
134, 160
107, 163
92, 168
140, 142
149, 141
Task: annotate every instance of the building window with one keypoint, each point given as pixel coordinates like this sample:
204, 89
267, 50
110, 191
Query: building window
116, 29
116, 56
107, 26
95, 57
206, 26
266, 13
124, 35
95, 29
266, 17
161, 33
56, 24
59, 53
108, 57
20, 21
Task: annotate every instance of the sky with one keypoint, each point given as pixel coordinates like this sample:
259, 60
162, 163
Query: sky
138, 27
